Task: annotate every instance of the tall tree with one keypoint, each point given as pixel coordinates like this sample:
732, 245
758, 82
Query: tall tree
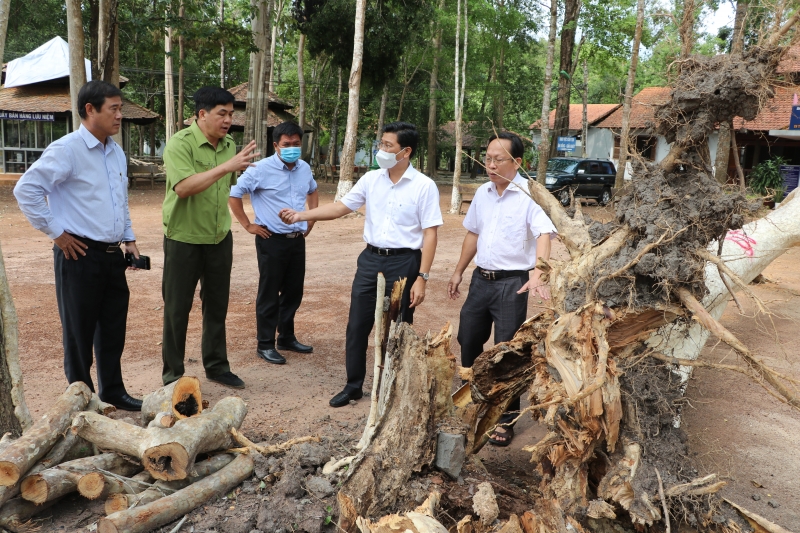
572, 9
278, 13
332, 144
256, 127
221, 46
382, 111
301, 81
460, 77
14, 415
181, 72
626, 106
725, 133
77, 67
544, 141
169, 89
585, 118
354, 86
5, 7
686, 28
407, 79
433, 122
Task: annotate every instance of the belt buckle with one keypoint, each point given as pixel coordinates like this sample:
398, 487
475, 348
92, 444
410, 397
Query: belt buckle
291, 235
488, 274
113, 248
382, 250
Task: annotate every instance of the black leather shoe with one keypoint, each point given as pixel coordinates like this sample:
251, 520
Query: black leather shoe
344, 397
295, 346
229, 379
126, 403
271, 355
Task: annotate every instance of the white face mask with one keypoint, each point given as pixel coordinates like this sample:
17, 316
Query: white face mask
386, 160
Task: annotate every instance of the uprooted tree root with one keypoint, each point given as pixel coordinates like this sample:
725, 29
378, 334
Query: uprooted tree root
605, 367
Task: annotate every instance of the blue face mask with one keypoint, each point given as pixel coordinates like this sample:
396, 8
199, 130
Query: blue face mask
290, 154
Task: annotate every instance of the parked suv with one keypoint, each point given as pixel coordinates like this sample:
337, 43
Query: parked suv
585, 178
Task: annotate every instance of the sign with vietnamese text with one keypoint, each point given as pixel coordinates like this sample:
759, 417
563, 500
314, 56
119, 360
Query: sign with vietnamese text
16, 115
794, 121
791, 177
566, 144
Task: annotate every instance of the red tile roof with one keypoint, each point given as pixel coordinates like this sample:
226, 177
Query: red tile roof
790, 62
240, 93
643, 108
594, 112
775, 114
55, 99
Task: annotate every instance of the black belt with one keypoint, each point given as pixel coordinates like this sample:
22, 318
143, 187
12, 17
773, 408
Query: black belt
292, 235
500, 274
108, 247
389, 251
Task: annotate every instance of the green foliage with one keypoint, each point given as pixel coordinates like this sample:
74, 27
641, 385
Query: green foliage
766, 179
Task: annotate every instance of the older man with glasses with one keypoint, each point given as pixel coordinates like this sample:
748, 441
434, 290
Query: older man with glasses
507, 231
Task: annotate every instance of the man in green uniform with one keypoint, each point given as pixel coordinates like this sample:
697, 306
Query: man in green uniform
201, 163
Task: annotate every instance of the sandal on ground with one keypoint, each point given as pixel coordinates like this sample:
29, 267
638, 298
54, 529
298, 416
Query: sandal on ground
506, 433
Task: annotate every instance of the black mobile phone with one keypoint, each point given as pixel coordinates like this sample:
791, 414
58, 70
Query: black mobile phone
143, 262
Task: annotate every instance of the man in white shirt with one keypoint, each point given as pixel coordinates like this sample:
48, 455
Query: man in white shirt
507, 231
77, 194
400, 230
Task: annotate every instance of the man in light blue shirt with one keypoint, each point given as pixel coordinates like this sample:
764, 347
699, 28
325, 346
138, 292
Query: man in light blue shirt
77, 194
280, 181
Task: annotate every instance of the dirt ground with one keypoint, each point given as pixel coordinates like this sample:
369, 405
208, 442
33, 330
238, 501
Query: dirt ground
735, 428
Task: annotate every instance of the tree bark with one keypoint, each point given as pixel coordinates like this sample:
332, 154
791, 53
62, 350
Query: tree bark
257, 95
34, 444
125, 500
455, 197
498, 101
169, 91
724, 140
382, 111
5, 7
16, 513
433, 123
544, 141
221, 47
278, 14
77, 67
96, 485
165, 510
619, 182
63, 479
572, 9
14, 414
182, 398
167, 454
584, 118
354, 86
301, 81
333, 145
686, 28
181, 58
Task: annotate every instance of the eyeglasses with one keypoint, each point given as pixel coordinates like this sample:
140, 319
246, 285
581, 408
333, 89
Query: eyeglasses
387, 147
497, 161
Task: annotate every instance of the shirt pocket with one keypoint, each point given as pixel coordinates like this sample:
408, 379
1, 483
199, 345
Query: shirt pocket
515, 227
202, 165
406, 215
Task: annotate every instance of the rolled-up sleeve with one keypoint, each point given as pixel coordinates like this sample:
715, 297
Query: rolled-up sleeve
179, 162
37, 183
357, 196
430, 212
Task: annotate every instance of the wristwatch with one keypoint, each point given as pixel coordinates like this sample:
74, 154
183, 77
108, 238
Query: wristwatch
424, 275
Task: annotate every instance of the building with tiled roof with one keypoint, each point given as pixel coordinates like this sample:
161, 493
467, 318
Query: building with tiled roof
594, 113
34, 115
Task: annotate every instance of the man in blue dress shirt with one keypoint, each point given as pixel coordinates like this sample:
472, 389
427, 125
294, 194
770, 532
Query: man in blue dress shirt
279, 181
77, 194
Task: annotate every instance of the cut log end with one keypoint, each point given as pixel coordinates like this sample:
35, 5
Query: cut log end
116, 503
186, 397
34, 489
9, 473
166, 461
91, 485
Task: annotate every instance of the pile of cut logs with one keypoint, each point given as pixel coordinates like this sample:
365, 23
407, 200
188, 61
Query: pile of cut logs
146, 474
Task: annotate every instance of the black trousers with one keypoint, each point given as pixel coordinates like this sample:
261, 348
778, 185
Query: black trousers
92, 295
184, 265
491, 302
362, 305
281, 273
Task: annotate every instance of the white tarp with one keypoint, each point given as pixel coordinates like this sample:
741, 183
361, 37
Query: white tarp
48, 62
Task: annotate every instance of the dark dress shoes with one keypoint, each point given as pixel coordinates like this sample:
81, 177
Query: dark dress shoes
295, 346
271, 355
229, 379
344, 397
126, 403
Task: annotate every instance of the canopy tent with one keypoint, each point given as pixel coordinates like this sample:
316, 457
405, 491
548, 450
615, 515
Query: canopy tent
48, 62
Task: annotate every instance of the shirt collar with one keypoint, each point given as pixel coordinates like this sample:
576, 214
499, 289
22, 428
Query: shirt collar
517, 184
280, 164
409, 174
200, 137
92, 141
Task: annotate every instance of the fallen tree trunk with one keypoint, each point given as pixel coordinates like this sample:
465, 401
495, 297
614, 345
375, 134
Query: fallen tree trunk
182, 398
96, 485
169, 508
59, 480
67, 448
167, 454
16, 513
34, 444
137, 498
